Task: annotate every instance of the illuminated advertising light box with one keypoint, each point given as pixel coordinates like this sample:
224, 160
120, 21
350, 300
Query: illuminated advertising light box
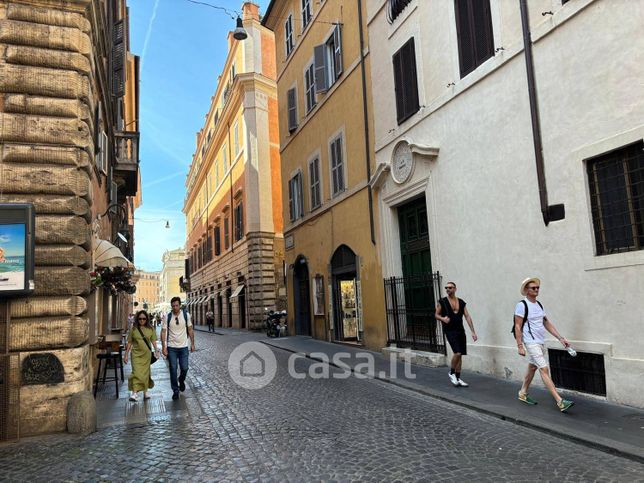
17, 222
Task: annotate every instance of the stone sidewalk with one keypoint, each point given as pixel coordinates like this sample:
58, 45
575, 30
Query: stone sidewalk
111, 411
593, 422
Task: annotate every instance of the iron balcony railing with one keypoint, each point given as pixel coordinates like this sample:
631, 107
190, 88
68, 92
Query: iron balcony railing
410, 303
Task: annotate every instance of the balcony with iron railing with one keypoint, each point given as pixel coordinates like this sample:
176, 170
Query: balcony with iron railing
127, 161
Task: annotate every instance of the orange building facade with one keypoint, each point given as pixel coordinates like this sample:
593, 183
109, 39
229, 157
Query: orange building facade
233, 205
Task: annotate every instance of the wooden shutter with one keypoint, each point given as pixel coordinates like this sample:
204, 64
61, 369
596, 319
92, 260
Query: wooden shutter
337, 50
320, 61
410, 79
217, 241
339, 164
292, 109
118, 59
398, 86
406, 81
300, 201
290, 200
474, 32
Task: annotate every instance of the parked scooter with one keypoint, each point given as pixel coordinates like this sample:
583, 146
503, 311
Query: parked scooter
276, 323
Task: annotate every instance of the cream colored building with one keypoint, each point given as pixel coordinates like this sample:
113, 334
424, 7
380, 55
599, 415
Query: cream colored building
233, 202
453, 129
172, 271
147, 289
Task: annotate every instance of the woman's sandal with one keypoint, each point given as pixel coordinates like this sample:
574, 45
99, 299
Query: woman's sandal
146, 397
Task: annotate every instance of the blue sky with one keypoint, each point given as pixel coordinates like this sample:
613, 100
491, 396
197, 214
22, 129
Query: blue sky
183, 47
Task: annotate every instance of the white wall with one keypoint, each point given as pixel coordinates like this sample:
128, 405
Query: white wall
486, 228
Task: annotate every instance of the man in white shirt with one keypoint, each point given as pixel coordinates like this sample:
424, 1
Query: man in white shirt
530, 338
174, 339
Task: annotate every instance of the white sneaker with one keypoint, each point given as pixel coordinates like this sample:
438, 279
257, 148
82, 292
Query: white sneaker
461, 382
133, 397
452, 377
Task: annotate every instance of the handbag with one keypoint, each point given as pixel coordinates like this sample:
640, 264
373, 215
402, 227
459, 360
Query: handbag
153, 358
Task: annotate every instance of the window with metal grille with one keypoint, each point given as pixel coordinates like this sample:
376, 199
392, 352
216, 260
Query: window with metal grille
306, 13
309, 87
295, 201
314, 179
288, 35
405, 81
337, 166
584, 373
217, 240
474, 32
616, 182
395, 8
239, 221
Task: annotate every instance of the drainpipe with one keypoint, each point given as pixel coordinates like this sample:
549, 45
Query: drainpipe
365, 112
549, 212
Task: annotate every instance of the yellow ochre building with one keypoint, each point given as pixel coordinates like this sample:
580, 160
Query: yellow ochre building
334, 281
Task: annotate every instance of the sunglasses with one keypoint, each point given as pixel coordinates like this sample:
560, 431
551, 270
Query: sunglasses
533, 288
449, 288
142, 318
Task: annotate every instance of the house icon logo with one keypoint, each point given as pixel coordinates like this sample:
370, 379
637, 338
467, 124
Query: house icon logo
252, 365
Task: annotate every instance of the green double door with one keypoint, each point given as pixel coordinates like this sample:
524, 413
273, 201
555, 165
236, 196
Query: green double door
420, 299
414, 238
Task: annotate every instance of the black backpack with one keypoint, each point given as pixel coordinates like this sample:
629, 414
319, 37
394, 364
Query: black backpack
525, 319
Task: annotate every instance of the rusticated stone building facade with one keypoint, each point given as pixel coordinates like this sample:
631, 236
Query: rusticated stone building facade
68, 90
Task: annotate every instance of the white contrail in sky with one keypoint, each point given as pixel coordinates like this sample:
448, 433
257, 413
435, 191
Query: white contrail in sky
148, 33
165, 178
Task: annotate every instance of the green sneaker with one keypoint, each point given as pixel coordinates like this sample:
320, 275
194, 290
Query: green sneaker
564, 405
527, 399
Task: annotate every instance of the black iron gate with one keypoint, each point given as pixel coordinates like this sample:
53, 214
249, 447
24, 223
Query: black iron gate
410, 303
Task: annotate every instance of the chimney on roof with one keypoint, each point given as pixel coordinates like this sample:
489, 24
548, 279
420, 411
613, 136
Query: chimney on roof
250, 10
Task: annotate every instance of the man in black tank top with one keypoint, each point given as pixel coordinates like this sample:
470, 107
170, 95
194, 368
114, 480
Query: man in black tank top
450, 311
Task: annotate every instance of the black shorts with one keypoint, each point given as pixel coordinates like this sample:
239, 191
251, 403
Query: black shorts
457, 341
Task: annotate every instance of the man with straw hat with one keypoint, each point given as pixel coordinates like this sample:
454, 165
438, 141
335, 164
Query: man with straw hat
530, 326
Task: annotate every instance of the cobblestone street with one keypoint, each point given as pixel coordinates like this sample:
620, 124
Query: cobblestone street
308, 429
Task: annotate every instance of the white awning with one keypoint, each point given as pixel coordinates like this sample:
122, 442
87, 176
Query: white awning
238, 291
107, 255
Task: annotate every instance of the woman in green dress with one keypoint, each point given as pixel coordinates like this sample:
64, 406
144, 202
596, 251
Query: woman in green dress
141, 338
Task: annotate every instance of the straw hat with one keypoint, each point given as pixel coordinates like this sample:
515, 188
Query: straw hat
526, 282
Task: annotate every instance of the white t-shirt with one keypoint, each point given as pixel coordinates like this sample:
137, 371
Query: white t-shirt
178, 333
535, 318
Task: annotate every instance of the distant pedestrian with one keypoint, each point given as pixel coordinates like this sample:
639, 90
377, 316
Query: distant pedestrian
530, 325
141, 340
174, 338
210, 319
450, 311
